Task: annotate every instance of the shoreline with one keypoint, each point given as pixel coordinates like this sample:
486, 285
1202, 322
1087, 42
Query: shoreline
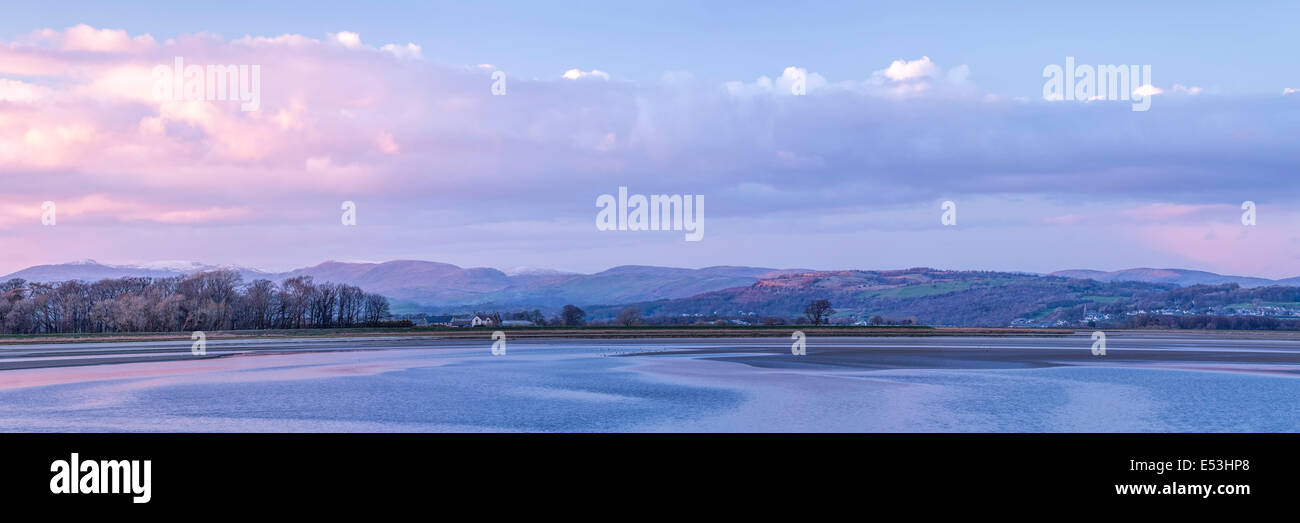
784, 331
842, 384
827, 348
529, 332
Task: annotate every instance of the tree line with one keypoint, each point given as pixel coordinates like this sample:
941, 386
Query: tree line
1208, 322
213, 300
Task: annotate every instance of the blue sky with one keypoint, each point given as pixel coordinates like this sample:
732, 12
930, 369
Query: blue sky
908, 105
1248, 47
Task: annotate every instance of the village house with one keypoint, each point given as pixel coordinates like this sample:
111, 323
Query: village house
476, 320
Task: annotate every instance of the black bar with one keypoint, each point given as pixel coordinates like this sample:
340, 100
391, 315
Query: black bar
416, 470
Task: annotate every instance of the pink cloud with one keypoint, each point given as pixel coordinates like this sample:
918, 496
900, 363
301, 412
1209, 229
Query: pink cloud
386, 144
427, 147
1067, 219
85, 38
98, 209
208, 215
1171, 211
98, 118
19, 92
1264, 250
1155, 213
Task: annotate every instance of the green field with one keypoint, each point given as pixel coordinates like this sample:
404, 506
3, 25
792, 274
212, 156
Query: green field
917, 291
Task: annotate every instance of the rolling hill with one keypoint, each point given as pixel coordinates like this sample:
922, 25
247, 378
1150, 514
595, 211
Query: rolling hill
929, 296
91, 270
437, 286
1181, 277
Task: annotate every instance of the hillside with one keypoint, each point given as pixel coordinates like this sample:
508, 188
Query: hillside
929, 296
1181, 277
972, 298
91, 270
417, 284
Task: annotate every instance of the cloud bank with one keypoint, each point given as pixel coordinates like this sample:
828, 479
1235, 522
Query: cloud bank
427, 145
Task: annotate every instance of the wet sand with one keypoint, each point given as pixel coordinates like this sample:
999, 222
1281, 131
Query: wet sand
1145, 382
1238, 353
1258, 352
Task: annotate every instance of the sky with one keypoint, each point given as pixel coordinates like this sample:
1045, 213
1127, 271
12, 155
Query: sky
823, 136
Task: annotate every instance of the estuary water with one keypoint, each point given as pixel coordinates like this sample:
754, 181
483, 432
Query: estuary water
1145, 383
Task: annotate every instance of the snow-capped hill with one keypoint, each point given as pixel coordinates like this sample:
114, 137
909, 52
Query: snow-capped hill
533, 271
91, 270
170, 265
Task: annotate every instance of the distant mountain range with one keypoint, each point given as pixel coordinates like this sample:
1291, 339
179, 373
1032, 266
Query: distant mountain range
929, 295
91, 270
1181, 277
425, 284
975, 298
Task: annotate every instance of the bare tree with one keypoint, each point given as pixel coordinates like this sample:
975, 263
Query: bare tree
213, 300
629, 316
817, 311
323, 303
376, 309
573, 316
351, 303
259, 301
295, 294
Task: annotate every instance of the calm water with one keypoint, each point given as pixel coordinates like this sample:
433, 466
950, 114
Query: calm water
559, 386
